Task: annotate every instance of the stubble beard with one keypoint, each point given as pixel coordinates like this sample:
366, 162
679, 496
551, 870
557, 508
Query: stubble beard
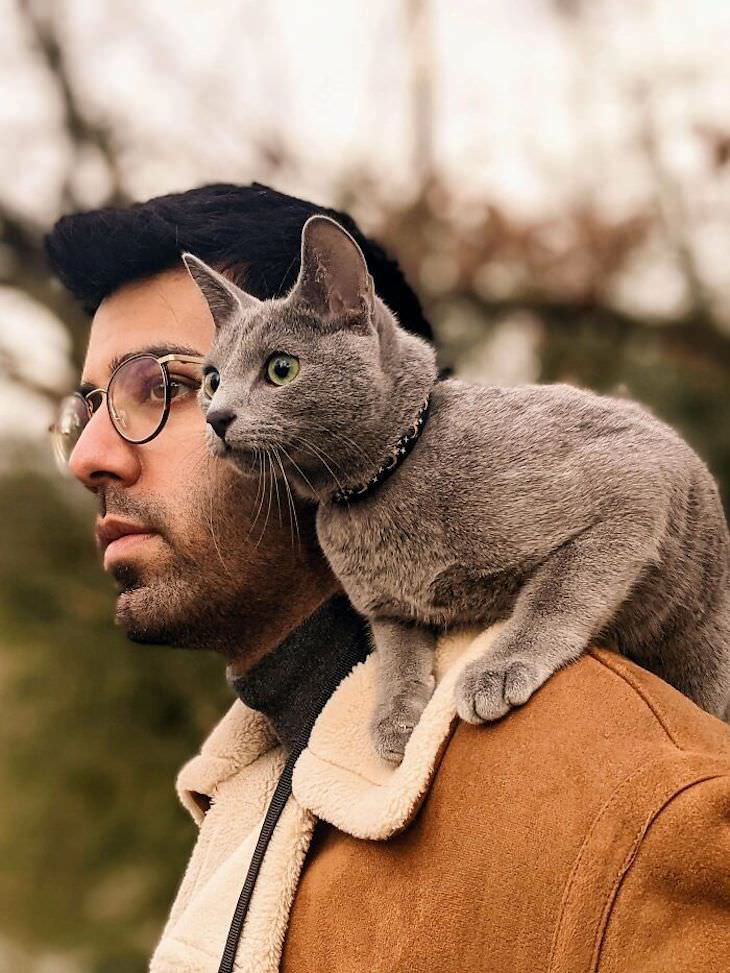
172, 606
200, 591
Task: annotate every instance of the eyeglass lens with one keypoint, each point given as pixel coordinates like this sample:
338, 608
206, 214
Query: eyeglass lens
137, 405
73, 416
137, 399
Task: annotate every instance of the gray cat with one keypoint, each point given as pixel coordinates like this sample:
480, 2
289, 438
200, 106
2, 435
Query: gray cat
579, 518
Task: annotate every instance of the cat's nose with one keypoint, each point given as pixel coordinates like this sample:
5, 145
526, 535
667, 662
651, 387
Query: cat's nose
220, 420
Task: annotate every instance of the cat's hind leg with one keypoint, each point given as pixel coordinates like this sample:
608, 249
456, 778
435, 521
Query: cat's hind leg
570, 598
405, 683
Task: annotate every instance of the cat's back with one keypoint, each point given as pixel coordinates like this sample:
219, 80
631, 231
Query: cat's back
544, 415
500, 478
552, 454
552, 429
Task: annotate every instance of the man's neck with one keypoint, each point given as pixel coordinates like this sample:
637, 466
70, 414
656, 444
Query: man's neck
291, 684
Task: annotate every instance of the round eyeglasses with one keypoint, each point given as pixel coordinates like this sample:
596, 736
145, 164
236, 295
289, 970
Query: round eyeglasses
139, 396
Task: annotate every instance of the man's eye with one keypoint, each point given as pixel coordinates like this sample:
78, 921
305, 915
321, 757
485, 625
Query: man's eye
180, 387
157, 392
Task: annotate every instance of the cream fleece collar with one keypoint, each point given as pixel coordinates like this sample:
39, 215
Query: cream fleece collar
339, 777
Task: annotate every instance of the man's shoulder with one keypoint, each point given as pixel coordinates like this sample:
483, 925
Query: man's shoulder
589, 728
574, 783
609, 796
527, 834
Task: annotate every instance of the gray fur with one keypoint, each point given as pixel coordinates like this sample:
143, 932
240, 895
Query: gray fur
577, 518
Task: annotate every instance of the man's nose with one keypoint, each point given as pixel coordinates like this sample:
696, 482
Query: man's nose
220, 420
102, 456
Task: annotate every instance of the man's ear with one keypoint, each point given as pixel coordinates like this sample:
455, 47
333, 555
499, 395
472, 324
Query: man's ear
334, 278
224, 298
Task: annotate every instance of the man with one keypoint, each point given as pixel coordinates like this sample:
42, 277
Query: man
589, 830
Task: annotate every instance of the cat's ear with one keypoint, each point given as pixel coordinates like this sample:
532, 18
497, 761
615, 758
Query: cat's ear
224, 298
334, 278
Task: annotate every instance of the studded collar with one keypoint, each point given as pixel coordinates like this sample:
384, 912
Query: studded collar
392, 461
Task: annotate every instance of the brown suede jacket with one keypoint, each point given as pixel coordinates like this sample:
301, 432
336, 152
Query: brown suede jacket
587, 831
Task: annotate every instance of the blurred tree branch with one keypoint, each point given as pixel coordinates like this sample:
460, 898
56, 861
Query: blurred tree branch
671, 208
9, 368
561, 271
81, 130
689, 336
26, 269
419, 28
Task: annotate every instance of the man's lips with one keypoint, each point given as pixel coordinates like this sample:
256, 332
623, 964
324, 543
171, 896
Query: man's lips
116, 535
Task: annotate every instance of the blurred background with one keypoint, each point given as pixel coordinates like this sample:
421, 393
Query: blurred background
554, 176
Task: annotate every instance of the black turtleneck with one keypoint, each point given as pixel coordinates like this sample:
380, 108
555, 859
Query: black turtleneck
292, 683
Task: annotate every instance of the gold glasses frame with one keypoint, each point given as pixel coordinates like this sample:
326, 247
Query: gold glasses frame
102, 394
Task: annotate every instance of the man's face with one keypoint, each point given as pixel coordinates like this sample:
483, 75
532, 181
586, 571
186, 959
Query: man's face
211, 561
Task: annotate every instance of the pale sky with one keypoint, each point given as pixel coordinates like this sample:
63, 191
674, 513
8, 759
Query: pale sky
528, 110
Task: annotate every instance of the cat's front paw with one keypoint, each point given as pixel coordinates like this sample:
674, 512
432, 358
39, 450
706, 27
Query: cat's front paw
393, 724
488, 688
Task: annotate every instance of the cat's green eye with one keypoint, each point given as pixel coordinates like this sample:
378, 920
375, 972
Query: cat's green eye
210, 383
281, 369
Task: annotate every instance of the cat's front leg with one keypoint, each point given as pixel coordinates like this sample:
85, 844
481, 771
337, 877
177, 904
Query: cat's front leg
405, 683
569, 600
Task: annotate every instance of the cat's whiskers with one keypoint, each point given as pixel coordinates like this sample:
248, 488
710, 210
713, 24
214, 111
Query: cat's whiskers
268, 467
260, 491
268, 481
293, 519
213, 496
262, 462
322, 451
298, 468
276, 485
255, 459
209, 464
272, 477
342, 437
310, 448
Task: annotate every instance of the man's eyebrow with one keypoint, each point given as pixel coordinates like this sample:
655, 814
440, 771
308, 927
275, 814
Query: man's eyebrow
158, 351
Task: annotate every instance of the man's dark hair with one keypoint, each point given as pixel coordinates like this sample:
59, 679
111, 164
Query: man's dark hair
251, 232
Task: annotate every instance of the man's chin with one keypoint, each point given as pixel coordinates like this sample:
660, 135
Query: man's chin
146, 602
168, 611
148, 610
127, 576
138, 620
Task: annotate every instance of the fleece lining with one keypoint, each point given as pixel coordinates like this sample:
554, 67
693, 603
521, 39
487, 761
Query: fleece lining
339, 778
608, 795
